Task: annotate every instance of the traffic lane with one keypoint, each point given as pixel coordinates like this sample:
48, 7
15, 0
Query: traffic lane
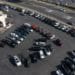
33, 3
59, 15
41, 5
72, 14
53, 8
48, 14
49, 6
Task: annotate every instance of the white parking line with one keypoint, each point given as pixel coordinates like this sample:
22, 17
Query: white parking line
67, 17
49, 10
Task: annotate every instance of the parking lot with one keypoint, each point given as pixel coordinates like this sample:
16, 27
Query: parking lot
43, 67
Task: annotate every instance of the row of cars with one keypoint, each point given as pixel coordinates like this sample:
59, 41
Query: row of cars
47, 35
66, 28
67, 66
41, 47
18, 35
38, 52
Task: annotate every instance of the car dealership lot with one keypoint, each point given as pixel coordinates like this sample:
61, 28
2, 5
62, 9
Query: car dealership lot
43, 67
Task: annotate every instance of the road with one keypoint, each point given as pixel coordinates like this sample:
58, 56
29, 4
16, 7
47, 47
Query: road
51, 12
68, 3
43, 67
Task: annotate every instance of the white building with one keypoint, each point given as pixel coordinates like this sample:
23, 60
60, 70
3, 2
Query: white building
3, 18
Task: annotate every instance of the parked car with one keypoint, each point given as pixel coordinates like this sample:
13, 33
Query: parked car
64, 28
42, 39
18, 9
70, 23
29, 26
17, 61
59, 72
32, 13
66, 69
2, 44
49, 47
73, 53
9, 42
33, 57
40, 43
52, 37
41, 54
72, 32
70, 63
37, 16
56, 24
68, 29
15, 40
25, 61
57, 42
34, 26
60, 26
46, 51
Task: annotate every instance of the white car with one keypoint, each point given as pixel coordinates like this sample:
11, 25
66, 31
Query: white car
73, 53
37, 16
40, 43
57, 24
29, 25
14, 34
32, 14
68, 28
64, 27
17, 60
52, 37
15, 40
48, 53
18, 42
60, 26
58, 72
42, 55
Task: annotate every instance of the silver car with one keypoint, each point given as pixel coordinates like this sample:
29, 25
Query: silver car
17, 60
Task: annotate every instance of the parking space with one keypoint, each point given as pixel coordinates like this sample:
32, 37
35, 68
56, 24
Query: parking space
43, 67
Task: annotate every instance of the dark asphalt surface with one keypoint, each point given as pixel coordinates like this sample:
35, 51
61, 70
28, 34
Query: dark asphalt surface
44, 67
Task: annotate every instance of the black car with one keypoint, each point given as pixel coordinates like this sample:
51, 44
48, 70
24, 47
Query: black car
35, 48
70, 63
42, 39
2, 44
49, 47
65, 68
57, 42
33, 57
25, 61
9, 42
72, 32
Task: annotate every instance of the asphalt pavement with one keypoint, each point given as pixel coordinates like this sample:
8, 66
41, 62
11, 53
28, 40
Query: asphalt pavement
43, 67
